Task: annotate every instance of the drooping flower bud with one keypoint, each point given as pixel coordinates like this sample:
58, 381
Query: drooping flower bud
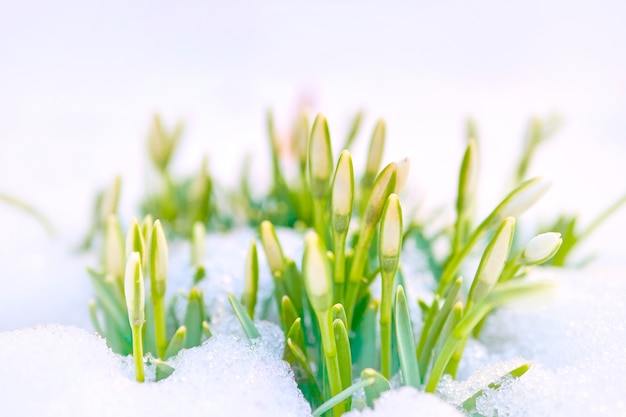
542, 248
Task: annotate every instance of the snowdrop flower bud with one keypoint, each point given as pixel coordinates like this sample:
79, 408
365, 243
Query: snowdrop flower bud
158, 261
134, 239
402, 174
375, 153
198, 244
301, 136
320, 158
317, 275
134, 290
468, 176
114, 256
343, 193
542, 248
383, 186
110, 199
271, 246
523, 197
391, 234
493, 260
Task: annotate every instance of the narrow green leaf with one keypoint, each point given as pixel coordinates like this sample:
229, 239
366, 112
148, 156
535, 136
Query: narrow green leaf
338, 312
406, 342
206, 330
288, 313
343, 396
251, 280
470, 404
303, 374
343, 353
436, 327
246, 323
194, 316
373, 391
177, 343
95, 322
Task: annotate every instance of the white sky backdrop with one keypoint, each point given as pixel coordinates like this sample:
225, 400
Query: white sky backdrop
79, 81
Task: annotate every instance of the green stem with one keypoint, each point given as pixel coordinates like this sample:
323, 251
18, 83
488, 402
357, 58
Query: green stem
160, 326
330, 354
339, 275
319, 208
511, 268
356, 270
455, 262
138, 353
385, 325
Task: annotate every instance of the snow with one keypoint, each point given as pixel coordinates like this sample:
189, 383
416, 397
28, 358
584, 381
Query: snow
407, 402
574, 340
65, 371
576, 343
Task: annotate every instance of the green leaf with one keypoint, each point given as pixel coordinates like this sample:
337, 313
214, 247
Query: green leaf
343, 396
373, 391
288, 313
406, 342
194, 316
163, 370
177, 343
246, 322
303, 374
434, 330
470, 404
343, 352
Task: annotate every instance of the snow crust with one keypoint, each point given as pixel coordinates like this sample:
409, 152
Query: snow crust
65, 371
575, 341
407, 402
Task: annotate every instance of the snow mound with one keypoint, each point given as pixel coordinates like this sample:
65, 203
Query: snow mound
576, 343
64, 371
407, 402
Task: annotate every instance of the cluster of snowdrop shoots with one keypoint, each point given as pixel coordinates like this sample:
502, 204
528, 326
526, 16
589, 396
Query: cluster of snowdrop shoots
369, 317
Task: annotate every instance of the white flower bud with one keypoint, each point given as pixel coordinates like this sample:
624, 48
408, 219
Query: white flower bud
343, 193
320, 158
158, 261
523, 197
402, 174
134, 290
493, 260
271, 246
317, 274
391, 234
377, 146
541, 248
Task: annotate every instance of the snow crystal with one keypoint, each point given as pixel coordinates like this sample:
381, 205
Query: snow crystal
407, 402
65, 371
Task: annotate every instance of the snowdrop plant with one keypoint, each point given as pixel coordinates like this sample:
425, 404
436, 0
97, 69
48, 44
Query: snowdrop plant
345, 312
134, 318
331, 321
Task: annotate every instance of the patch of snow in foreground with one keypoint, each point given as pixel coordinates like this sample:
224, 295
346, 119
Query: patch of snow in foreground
407, 402
576, 342
64, 371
